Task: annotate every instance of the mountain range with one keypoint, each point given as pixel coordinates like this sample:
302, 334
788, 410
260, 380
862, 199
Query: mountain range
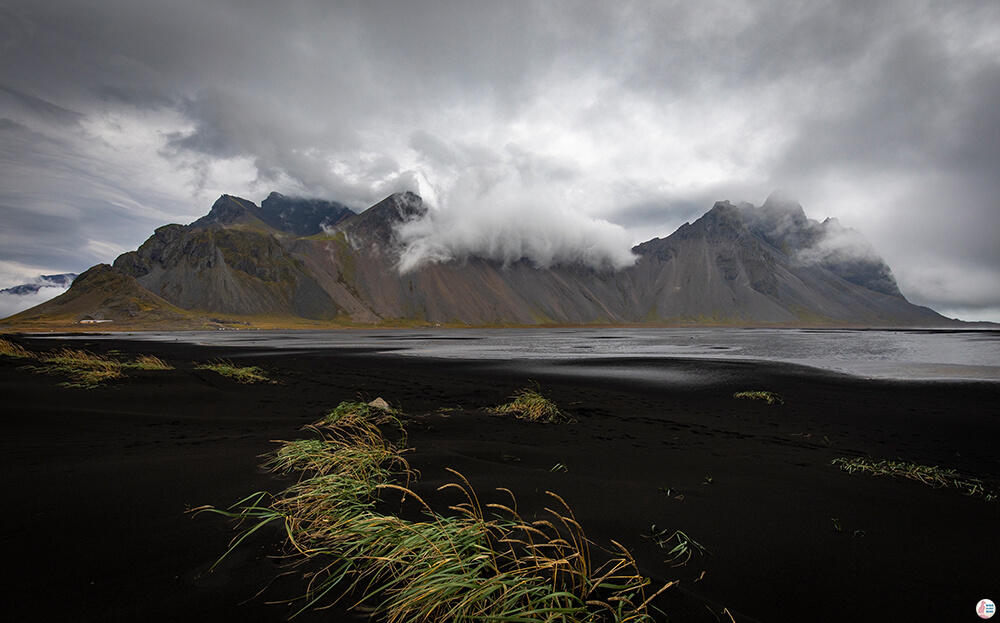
62, 280
307, 262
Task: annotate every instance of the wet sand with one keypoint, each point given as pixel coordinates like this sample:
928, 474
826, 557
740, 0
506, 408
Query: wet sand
98, 481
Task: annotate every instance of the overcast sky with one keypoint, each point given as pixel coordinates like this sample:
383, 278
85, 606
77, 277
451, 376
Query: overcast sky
569, 127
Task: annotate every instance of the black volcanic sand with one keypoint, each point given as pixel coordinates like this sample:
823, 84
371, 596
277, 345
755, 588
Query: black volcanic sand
97, 481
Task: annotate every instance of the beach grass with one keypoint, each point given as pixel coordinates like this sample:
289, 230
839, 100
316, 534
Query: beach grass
148, 362
933, 476
766, 396
356, 412
240, 374
15, 351
530, 404
458, 565
682, 547
85, 370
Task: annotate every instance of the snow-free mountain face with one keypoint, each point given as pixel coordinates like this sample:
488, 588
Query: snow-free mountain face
291, 215
304, 260
782, 223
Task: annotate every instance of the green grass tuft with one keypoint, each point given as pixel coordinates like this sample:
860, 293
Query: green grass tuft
240, 374
682, 547
16, 351
352, 412
85, 369
530, 404
934, 476
148, 362
456, 567
768, 397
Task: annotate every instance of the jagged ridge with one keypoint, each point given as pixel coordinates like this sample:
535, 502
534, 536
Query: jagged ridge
308, 259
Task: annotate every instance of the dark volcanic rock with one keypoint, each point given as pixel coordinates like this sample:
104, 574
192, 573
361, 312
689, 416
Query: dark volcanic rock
724, 236
221, 270
292, 215
228, 210
782, 223
302, 217
736, 265
378, 223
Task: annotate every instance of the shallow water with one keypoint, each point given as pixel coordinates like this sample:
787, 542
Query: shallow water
886, 354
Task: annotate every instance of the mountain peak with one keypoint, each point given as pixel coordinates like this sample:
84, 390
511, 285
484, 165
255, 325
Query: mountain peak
292, 215
724, 220
378, 223
227, 210
301, 216
783, 201
408, 205
737, 264
782, 223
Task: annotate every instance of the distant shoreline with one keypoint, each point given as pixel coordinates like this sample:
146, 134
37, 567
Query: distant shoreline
111, 326
940, 354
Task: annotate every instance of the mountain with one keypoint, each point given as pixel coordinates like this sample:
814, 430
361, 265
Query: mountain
722, 268
43, 281
782, 223
297, 262
300, 217
102, 293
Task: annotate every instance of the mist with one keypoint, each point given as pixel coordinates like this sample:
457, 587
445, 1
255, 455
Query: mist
11, 304
837, 243
496, 214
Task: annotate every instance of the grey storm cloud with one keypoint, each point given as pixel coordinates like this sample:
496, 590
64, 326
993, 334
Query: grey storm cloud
601, 126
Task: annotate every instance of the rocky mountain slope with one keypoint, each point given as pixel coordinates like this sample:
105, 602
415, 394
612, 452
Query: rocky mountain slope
303, 260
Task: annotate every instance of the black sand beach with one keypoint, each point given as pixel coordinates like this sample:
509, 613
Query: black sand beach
98, 481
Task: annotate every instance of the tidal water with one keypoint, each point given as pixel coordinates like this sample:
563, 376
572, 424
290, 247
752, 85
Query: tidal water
884, 354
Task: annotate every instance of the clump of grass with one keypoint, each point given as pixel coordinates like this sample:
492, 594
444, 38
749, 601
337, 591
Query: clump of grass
362, 455
768, 397
682, 547
353, 412
530, 404
85, 369
929, 475
15, 351
461, 566
359, 418
240, 374
148, 362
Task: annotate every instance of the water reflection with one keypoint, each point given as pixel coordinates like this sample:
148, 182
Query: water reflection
903, 354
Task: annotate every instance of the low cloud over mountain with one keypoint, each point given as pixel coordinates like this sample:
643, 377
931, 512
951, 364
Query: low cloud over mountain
27, 295
292, 261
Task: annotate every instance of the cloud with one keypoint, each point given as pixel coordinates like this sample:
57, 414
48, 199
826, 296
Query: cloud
11, 304
837, 244
41, 108
500, 214
120, 115
13, 274
940, 284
